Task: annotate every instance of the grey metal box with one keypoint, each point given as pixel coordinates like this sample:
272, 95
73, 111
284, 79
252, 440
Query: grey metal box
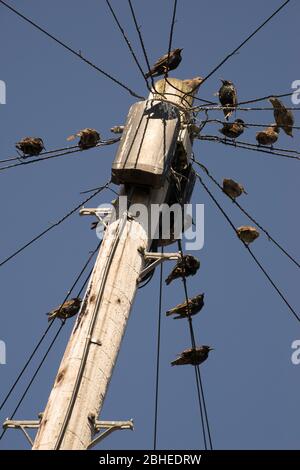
147, 145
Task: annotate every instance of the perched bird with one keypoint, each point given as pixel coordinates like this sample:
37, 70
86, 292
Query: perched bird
66, 310
233, 129
284, 117
228, 97
193, 83
247, 234
30, 146
188, 266
88, 138
232, 188
268, 136
165, 64
117, 129
192, 356
194, 306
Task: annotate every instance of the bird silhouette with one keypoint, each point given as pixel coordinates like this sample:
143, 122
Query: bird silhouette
247, 234
232, 188
228, 97
183, 310
66, 310
165, 63
192, 356
88, 138
268, 136
233, 129
188, 266
284, 117
30, 146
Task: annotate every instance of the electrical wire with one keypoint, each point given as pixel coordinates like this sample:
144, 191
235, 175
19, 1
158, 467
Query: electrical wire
247, 214
158, 354
68, 48
43, 337
200, 391
248, 124
245, 41
11, 159
126, 40
33, 377
55, 224
249, 146
77, 149
249, 250
48, 328
171, 35
140, 38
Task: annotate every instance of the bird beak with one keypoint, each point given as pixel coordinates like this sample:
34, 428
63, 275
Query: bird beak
211, 349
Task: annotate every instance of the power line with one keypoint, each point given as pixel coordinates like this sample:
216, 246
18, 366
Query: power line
248, 124
249, 250
200, 391
11, 159
126, 40
77, 54
246, 40
49, 327
51, 344
140, 38
249, 146
77, 149
255, 100
158, 354
237, 108
247, 214
171, 34
283, 95
34, 376
55, 224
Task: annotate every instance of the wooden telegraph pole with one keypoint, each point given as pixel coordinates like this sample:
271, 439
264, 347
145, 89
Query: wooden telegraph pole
155, 130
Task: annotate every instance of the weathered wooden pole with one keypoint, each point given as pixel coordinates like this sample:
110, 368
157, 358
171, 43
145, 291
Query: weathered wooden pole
77, 396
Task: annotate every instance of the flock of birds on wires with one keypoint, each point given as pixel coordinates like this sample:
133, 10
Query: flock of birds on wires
30, 147
88, 138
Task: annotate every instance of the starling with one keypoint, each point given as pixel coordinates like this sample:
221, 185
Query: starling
233, 129
188, 266
228, 97
268, 136
284, 117
247, 234
194, 306
192, 356
30, 146
117, 129
165, 63
193, 83
88, 138
232, 188
67, 310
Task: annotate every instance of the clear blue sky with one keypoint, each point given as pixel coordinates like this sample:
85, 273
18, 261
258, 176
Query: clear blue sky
252, 388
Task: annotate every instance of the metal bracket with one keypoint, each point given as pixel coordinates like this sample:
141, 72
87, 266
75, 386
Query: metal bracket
157, 258
8, 423
101, 213
109, 426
